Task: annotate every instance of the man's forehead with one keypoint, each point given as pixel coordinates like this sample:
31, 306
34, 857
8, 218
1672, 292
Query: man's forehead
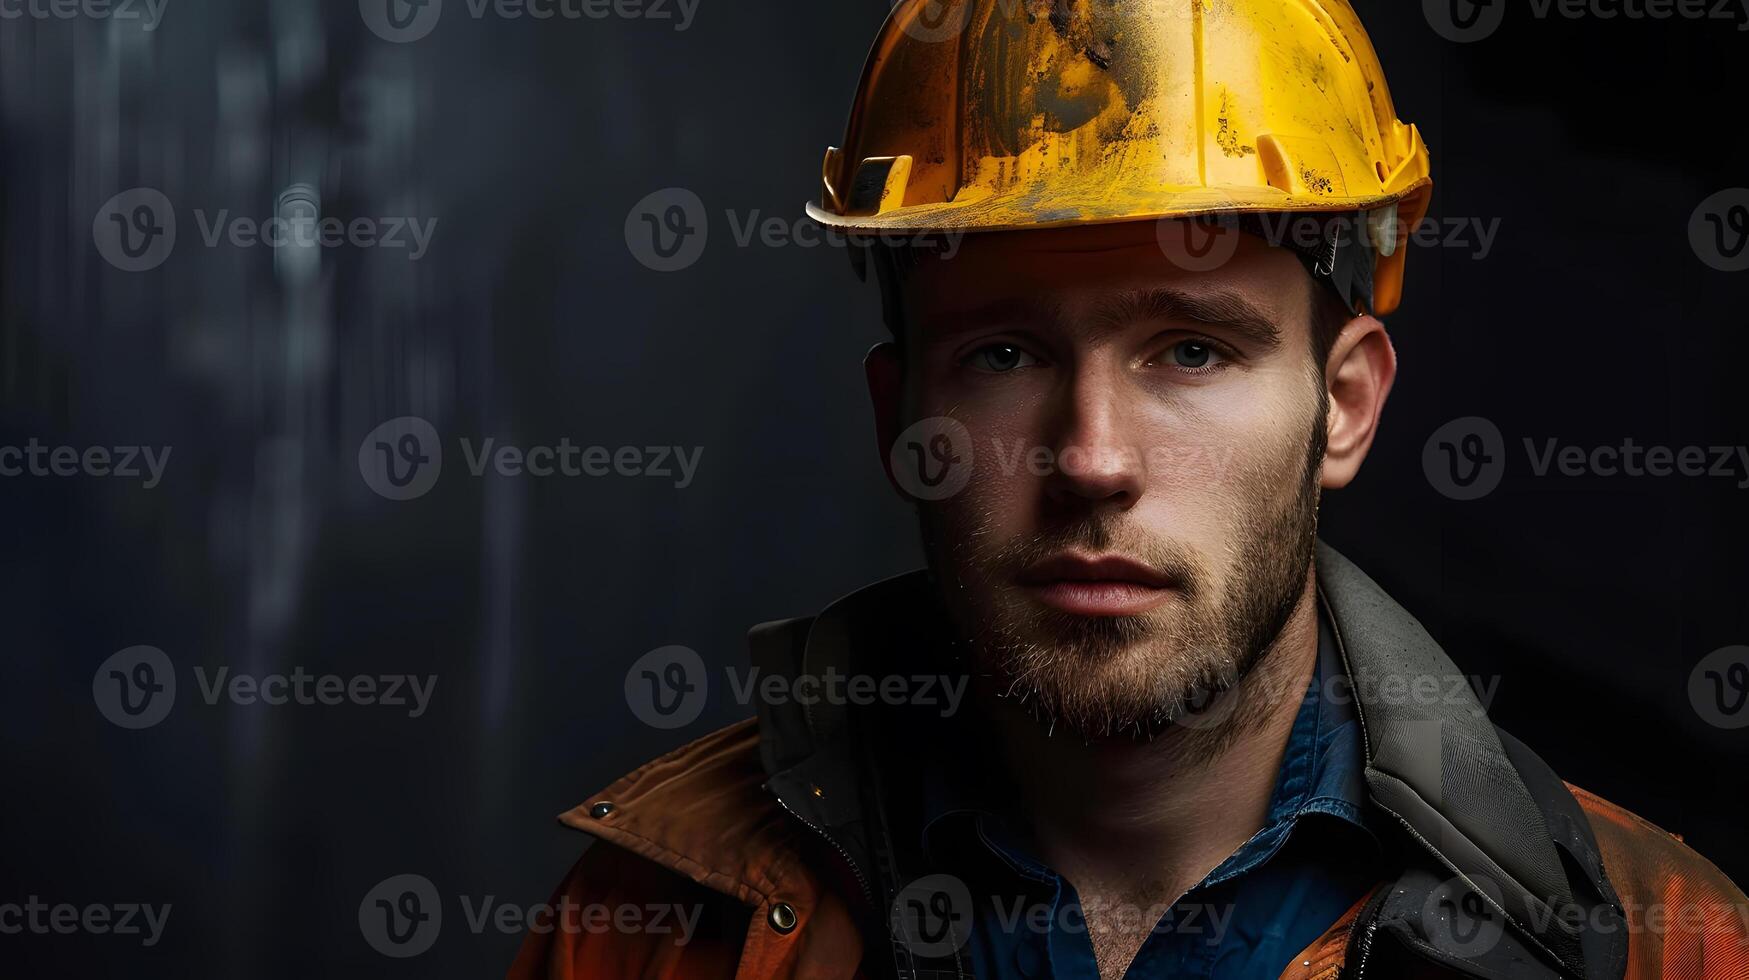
1102, 279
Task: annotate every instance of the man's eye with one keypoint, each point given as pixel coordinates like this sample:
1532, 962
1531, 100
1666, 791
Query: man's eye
999, 359
1193, 354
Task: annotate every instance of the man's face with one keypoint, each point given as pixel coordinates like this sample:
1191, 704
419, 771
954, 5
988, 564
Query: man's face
1145, 445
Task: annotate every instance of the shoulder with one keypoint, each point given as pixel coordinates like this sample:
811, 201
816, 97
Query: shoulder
1684, 916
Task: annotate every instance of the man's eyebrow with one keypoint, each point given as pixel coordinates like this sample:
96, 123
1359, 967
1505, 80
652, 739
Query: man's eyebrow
1228, 310
1007, 310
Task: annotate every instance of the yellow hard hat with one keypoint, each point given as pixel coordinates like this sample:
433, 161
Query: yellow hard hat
982, 115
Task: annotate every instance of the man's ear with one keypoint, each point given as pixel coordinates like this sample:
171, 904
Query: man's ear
884, 368
1357, 377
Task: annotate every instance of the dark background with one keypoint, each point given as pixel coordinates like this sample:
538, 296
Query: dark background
1592, 141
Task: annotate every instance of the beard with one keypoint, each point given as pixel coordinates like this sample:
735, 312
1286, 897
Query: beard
1140, 675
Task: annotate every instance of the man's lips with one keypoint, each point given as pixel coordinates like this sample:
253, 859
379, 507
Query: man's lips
1096, 585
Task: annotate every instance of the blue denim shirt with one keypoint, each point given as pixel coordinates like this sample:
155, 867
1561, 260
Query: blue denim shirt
1263, 905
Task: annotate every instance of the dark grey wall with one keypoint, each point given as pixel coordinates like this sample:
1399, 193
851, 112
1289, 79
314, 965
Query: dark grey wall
1592, 320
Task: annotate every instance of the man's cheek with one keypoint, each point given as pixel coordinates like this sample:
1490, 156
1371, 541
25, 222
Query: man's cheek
1190, 466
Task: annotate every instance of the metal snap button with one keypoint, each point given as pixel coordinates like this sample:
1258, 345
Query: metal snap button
601, 809
782, 918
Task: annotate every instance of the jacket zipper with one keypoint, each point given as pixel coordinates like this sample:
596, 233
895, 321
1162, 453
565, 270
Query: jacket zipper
1365, 950
1367, 922
861, 880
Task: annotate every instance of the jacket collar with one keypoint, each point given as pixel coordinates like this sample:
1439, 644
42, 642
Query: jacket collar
1498, 820
1486, 812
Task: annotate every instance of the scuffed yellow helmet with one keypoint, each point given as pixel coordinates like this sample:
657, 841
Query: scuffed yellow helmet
977, 115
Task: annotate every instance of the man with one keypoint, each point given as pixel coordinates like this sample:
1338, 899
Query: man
1195, 741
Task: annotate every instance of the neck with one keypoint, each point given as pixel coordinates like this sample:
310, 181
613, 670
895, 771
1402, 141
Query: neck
1161, 813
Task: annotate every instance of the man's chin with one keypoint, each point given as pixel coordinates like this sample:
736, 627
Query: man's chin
1104, 676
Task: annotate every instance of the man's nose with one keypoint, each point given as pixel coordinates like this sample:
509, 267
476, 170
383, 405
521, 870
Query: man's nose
1097, 458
